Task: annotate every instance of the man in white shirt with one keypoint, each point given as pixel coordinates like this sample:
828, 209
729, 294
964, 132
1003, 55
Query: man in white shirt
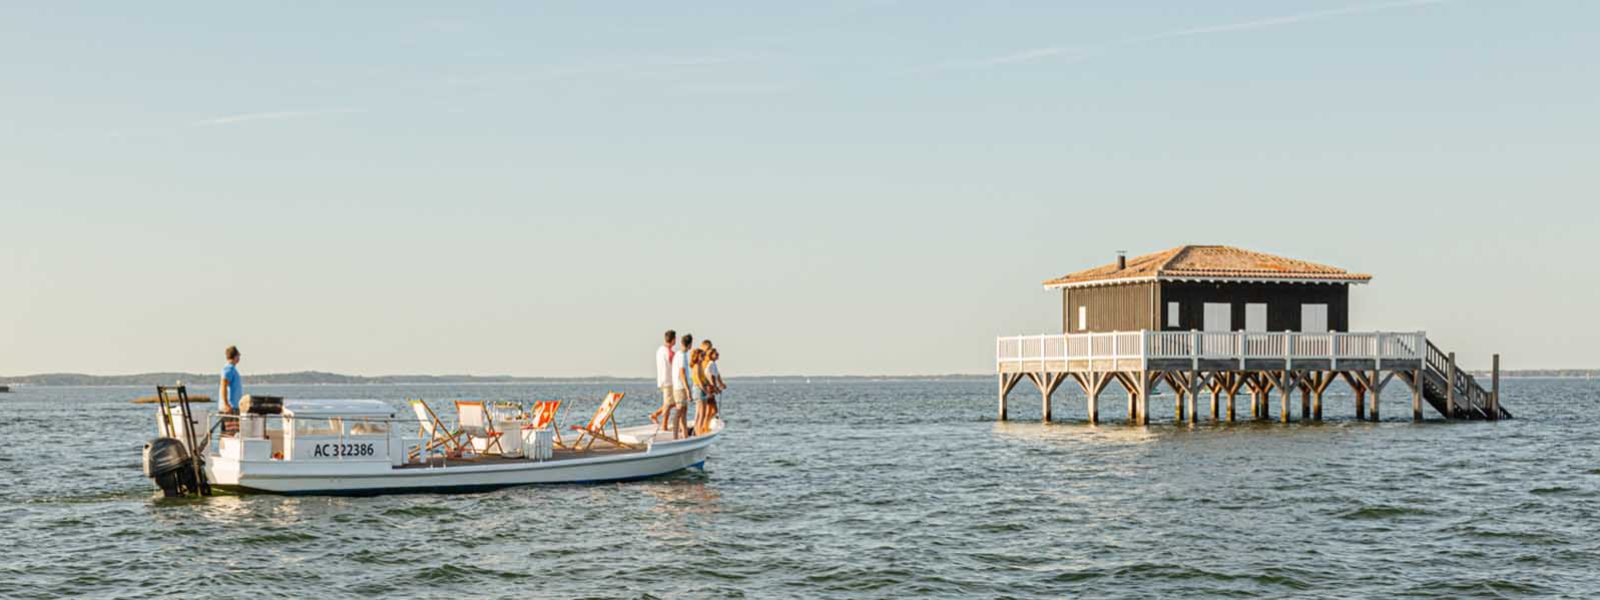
680, 389
664, 356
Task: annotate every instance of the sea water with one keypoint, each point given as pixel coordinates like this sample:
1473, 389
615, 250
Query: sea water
854, 489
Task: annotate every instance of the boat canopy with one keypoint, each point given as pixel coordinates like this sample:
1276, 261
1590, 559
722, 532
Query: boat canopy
338, 408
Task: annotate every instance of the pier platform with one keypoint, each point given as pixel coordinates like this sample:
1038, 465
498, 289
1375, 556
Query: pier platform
1263, 364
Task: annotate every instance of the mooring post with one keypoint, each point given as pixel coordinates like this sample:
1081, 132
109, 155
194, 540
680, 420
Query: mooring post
1305, 403
1450, 388
1177, 406
1214, 393
1494, 390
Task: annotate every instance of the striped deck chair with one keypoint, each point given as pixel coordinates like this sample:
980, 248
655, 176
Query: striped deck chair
439, 436
595, 429
544, 417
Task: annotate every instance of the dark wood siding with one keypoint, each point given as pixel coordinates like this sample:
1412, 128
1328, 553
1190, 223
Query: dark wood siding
1124, 307
1283, 302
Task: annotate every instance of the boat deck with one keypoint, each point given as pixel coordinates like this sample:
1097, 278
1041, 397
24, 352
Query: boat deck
558, 455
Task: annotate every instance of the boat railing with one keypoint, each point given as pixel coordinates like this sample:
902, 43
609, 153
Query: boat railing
1047, 351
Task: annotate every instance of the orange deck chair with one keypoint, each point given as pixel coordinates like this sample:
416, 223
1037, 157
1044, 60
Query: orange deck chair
544, 417
595, 429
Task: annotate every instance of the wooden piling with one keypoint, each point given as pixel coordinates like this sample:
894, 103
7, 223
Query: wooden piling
1416, 395
1003, 391
1450, 388
1377, 388
1494, 390
1287, 391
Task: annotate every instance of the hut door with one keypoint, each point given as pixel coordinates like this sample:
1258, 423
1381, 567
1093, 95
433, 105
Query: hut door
1218, 316
1255, 316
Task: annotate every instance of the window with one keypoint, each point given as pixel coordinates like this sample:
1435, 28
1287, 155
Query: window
1083, 318
1218, 316
1255, 316
315, 426
1314, 318
369, 427
1172, 315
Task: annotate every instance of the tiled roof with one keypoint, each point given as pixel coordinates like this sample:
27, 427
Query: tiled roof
1211, 262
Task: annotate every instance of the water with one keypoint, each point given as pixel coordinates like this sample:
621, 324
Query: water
855, 489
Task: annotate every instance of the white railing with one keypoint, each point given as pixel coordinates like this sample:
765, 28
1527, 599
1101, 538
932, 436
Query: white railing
1036, 351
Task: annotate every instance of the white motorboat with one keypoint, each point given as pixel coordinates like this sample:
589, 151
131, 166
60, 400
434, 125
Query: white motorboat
358, 447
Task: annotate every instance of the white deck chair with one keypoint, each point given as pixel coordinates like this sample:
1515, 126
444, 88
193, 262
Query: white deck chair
473, 419
438, 435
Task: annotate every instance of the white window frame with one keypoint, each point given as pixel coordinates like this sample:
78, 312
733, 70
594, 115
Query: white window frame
1173, 317
1224, 310
1259, 311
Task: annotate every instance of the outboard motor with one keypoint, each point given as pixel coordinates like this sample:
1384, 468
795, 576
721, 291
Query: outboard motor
167, 463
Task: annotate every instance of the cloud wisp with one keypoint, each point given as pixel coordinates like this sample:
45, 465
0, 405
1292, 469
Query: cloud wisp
273, 116
1074, 54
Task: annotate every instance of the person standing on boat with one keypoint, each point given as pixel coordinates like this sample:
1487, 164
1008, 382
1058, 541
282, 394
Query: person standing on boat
680, 389
231, 391
664, 355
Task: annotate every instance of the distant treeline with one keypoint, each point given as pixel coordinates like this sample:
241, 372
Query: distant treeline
319, 377
1574, 373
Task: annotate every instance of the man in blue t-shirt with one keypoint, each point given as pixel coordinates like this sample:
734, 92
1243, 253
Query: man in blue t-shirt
232, 388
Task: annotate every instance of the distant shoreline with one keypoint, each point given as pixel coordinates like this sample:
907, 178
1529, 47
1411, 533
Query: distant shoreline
322, 378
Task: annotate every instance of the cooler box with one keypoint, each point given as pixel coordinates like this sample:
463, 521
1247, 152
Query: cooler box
538, 444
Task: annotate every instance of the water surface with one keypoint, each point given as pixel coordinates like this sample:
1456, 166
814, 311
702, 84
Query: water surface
855, 489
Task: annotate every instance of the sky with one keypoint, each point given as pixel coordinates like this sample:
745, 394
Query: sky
826, 187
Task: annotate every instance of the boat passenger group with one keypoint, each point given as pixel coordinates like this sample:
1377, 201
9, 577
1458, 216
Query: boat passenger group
680, 370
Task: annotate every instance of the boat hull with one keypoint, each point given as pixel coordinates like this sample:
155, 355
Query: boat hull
283, 477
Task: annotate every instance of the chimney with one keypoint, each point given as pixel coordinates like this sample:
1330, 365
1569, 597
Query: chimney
1122, 259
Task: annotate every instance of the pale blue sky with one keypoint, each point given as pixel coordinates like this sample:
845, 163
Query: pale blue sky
820, 187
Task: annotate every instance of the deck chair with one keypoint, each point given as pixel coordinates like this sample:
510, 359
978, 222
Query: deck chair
595, 429
439, 436
544, 417
473, 419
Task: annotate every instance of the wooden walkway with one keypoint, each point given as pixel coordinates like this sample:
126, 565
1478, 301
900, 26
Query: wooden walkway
1263, 364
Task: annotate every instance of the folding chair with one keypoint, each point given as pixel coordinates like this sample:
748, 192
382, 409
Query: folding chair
438, 434
595, 429
544, 417
473, 419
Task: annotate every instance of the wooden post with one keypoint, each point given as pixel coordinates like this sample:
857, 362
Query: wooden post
1287, 391
1231, 394
1144, 398
1494, 393
1194, 394
1214, 393
1305, 403
1003, 390
1316, 406
1361, 401
1045, 409
1377, 388
1416, 395
1093, 392
1450, 388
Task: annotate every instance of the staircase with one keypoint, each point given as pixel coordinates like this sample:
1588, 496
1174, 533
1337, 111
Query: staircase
1471, 400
